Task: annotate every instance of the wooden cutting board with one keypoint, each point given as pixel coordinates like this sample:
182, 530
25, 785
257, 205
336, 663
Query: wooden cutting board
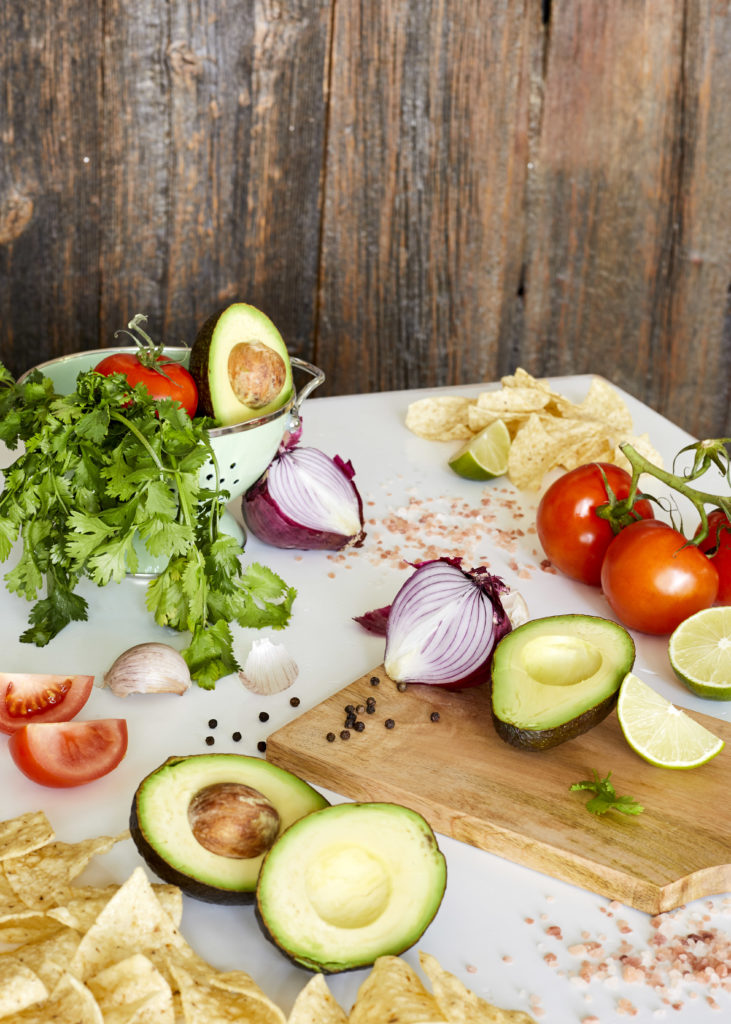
471, 785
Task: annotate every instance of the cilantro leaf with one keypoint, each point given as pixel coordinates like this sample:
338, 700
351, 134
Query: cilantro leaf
605, 798
104, 467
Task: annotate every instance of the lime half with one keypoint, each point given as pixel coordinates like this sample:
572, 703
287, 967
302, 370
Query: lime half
700, 652
659, 732
485, 456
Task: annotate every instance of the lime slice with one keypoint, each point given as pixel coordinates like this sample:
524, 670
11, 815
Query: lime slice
485, 456
700, 652
659, 732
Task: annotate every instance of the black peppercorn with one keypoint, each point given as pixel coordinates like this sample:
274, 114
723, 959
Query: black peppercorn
210, 741
294, 701
330, 737
345, 735
359, 726
261, 746
263, 716
375, 680
434, 716
236, 737
389, 723
212, 723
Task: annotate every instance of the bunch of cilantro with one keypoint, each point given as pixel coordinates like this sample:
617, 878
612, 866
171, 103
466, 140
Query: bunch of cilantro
102, 466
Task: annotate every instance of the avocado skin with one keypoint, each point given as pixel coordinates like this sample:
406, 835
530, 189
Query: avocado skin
190, 886
198, 366
544, 739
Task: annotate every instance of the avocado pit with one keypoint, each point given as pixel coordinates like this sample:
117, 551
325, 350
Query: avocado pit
256, 373
233, 820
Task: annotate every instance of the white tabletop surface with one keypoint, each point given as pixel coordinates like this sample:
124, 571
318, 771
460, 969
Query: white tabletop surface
511, 934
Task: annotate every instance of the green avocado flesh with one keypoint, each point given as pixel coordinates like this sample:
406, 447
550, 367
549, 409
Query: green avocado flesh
557, 677
350, 883
240, 365
160, 821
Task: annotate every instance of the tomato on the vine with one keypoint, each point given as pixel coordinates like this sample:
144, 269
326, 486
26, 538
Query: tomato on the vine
718, 545
171, 380
653, 578
62, 754
573, 536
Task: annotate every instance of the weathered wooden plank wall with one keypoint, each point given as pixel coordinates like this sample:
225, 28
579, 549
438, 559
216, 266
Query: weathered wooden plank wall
419, 192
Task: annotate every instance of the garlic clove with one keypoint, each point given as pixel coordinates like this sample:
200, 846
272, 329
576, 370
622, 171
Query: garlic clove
148, 668
269, 668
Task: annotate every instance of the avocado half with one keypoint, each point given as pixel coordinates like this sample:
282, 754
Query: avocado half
240, 365
350, 883
557, 677
234, 804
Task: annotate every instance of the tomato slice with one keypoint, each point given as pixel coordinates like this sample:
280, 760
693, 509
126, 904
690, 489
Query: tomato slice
36, 697
69, 753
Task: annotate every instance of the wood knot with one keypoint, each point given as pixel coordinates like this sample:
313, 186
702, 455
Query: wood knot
16, 212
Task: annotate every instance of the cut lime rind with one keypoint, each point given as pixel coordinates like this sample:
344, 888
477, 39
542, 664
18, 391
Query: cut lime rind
700, 652
485, 456
660, 733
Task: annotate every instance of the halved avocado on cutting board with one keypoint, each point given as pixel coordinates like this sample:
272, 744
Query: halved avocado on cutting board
240, 365
557, 677
350, 883
205, 822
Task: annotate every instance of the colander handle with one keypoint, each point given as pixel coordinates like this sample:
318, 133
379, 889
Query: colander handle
318, 376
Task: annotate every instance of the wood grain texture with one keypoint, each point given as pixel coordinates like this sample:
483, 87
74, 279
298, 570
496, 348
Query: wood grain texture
472, 786
418, 193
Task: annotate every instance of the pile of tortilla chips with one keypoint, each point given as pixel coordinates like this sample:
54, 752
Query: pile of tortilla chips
114, 955
546, 430
393, 992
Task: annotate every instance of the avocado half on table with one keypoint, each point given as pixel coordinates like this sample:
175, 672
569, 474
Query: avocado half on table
335, 886
557, 677
241, 366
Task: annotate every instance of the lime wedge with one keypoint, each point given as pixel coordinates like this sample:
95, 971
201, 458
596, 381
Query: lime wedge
485, 456
700, 652
659, 732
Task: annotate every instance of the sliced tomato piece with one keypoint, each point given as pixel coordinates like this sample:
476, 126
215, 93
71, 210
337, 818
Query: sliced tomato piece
69, 753
34, 697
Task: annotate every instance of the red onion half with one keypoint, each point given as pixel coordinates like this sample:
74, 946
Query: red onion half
307, 500
444, 624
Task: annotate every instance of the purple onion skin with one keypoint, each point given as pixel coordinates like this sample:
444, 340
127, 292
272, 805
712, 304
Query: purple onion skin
493, 586
375, 621
265, 520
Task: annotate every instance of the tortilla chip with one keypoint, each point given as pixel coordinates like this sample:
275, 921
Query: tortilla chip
24, 834
48, 956
393, 992
133, 990
71, 1002
133, 921
514, 400
315, 1004
20, 987
205, 1003
522, 379
643, 446
534, 450
84, 904
459, 1005
604, 404
28, 927
443, 418
41, 878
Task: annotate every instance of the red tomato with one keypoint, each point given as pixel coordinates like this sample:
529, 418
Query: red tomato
718, 541
573, 536
174, 383
29, 697
69, 753
652, 581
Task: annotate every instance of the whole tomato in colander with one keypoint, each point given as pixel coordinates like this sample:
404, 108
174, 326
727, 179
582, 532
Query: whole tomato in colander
163, 379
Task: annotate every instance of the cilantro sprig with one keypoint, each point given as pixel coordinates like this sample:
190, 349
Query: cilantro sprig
605, 798
103, 470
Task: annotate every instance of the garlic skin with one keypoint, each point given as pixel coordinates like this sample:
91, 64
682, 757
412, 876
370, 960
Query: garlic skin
269, 668
148, 668
516, 607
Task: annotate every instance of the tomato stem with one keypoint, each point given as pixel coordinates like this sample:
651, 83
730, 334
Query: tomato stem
706, 453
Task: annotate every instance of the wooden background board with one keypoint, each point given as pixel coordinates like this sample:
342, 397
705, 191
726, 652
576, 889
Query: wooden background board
471, 785
419, 193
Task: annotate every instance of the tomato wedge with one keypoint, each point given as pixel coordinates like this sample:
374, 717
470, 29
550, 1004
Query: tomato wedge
69, 753
27, 697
